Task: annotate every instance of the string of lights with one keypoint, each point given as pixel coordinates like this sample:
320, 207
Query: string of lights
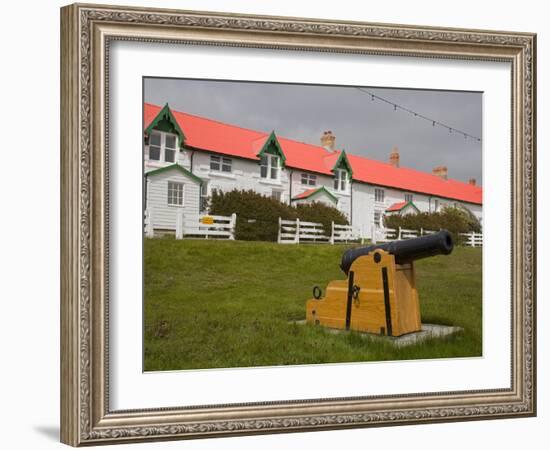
420, 116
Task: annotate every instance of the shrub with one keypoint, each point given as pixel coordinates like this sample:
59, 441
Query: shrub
455, 220
258, 215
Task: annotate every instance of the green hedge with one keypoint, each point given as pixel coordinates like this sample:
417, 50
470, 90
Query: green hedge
456, 220
258, 215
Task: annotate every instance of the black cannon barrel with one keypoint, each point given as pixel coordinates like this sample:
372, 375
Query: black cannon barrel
405, 251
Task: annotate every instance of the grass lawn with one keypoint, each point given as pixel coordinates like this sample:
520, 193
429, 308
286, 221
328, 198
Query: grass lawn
231, 304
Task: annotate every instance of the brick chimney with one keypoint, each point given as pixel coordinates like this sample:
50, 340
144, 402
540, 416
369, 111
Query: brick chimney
327, 140
440, 171
394, 157
472, 181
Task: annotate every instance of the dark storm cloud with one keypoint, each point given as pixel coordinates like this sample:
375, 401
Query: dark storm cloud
362, 126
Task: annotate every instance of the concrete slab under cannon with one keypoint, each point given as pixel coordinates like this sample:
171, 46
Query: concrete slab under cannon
428, 331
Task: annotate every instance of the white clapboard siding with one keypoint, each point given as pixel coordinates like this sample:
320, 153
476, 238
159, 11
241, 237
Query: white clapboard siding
164, 215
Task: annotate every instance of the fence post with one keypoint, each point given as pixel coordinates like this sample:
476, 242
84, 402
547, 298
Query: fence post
179, 225
280, 231
399, 234
473, 239
421, 231
332, 234
233, 224
297, 237
149, 230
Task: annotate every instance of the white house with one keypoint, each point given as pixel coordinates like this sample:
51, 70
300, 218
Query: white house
186, 157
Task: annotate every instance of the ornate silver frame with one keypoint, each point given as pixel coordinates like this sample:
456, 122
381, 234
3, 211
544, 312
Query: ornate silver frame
86, 31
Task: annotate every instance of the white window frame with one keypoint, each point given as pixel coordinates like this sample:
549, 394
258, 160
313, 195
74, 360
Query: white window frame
280, 194
379, 223
204, 194
308, 179
178, 184
162, 153
379, 193
273, 162
341, 177
222, 162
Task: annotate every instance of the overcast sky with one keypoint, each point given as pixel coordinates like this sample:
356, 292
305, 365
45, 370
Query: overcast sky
361, 126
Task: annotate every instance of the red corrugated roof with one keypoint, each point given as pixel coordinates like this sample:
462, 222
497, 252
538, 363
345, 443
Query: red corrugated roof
397, 206
219, 137
305, 194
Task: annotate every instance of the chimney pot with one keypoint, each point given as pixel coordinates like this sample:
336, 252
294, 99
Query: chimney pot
327, 140
394, 157
440, 171
472, 181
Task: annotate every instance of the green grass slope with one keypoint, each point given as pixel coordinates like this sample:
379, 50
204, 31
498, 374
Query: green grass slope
212, 304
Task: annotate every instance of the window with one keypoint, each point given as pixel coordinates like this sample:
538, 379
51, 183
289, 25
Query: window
276, 195
175, 193
220, 163
269, 167
408, 197
377, 217
204, 197
163, 147
436, 205
169, 148
340, 180
309, 179
379, 195
154, 147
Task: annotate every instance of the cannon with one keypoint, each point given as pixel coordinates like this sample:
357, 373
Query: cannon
379, 295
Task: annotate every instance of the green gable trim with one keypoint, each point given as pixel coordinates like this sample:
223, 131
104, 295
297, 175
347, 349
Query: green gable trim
165, 121
411, 204
343, 163
178, 167
318, 191
272, 147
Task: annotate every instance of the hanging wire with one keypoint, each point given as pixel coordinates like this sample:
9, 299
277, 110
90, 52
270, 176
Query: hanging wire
417, 114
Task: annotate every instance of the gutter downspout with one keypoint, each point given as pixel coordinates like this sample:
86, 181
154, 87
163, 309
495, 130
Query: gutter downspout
290, 187
145, 184
200, 185
191, 161
351, 203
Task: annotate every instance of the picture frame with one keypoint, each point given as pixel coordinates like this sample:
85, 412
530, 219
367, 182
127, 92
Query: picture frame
87, 31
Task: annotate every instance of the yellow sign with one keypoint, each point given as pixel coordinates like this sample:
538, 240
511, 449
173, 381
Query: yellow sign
207, 220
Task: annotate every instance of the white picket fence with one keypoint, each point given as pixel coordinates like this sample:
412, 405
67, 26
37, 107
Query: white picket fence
343, 233
392, 234
473, 239
148, 222
197, 226
296, 231
206, 226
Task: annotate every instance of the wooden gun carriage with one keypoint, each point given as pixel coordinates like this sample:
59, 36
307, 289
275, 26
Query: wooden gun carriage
379, 295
